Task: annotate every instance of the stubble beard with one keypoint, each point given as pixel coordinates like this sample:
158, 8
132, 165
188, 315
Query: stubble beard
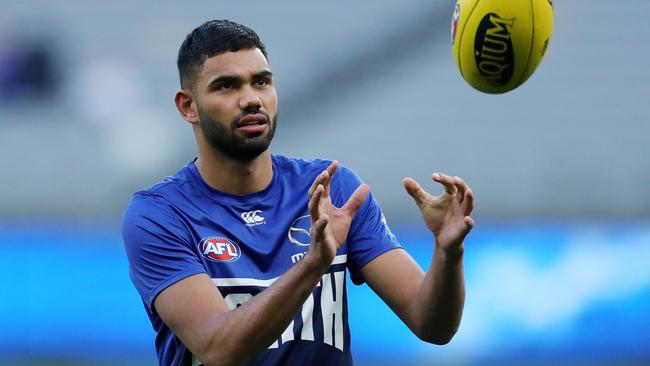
226, 141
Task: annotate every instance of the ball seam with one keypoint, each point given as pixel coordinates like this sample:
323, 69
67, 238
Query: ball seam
460, 41
530, 46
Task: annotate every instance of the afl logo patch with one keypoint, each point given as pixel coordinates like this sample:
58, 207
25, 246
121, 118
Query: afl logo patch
219, 249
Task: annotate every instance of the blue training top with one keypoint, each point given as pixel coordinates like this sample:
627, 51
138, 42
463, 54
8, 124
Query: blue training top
181, 227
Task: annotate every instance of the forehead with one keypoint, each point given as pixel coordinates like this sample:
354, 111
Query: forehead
239, 63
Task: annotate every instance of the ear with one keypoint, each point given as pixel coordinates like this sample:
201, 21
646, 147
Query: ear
186, 106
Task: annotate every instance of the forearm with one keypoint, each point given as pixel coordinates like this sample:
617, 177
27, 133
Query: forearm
243, 332
438, 306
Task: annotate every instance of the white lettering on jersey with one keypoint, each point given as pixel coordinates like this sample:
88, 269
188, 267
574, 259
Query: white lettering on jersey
331, 303
297, 257
233, 301
288, 334
307, 332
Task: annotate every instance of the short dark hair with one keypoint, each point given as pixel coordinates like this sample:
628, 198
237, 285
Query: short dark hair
210, 39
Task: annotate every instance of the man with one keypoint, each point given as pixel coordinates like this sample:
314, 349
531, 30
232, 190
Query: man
240, 258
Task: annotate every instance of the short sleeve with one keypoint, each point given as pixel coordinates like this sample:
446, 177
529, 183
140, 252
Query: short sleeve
369, 234
158, 247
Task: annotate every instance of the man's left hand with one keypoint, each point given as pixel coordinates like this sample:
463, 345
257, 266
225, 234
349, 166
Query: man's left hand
446, 215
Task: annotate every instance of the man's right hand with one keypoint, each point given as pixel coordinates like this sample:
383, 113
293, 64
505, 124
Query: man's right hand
330, 225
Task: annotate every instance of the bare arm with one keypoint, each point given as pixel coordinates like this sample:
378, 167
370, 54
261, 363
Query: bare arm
197, 313
431, 303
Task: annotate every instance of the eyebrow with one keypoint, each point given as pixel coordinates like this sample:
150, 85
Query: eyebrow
263, 74
236, 78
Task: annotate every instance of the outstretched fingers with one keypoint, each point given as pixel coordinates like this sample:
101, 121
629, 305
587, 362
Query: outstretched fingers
324, 178
465, 196
461, 187
319, 180
468, 202
314, 202
466, 199
446, 181
331, 169
462, 194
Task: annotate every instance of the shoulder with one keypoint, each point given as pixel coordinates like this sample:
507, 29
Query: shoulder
300, 166
144, 203
144, 209
149, 220
155, 205
308, 167
170, 183
160, 193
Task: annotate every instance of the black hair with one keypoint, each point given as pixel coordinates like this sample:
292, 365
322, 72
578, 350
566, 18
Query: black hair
210, 39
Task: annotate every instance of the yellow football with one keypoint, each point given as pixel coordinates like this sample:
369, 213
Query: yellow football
498, 44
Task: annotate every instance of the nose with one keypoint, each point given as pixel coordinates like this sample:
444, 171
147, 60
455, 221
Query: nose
249, 99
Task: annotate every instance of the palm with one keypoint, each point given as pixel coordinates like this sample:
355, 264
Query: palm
330, 225
339, 224
435, 211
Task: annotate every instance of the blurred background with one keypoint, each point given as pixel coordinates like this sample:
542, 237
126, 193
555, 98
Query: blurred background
558, 266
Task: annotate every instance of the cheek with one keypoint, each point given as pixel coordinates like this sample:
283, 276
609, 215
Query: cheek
271, 101
222, 109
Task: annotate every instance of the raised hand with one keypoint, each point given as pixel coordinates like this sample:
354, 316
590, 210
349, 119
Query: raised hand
330, 225
446, 215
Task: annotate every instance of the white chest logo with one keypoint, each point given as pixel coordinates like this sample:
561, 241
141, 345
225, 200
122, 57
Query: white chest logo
299, 231
252, 218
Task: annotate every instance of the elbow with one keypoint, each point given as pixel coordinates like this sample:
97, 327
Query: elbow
223, 353
216, 359
439, 331
208, 358
436, 336
439, 340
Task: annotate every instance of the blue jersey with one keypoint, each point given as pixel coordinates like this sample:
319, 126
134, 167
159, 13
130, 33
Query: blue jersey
181, 227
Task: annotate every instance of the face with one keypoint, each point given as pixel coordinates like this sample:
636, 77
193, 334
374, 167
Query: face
237, 103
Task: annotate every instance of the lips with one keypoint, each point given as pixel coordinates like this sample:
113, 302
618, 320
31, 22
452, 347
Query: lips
252, 124
252, 119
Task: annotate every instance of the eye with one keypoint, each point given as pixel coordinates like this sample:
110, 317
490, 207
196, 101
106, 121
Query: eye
225, 86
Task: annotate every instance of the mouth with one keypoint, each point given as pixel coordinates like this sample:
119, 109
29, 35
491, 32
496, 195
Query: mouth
253, 119
253, 123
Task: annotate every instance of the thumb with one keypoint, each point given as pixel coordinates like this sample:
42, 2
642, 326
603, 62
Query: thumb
414, 190
357, 199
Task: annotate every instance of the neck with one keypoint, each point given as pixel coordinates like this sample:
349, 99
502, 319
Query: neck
235, 177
